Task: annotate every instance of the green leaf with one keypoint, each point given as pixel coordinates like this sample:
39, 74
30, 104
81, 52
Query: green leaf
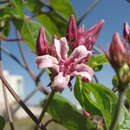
67, 115
7, 13
124, 120
62, 6
5, 31
29, 31
99, 97
34, 5
97, 61
2, 123
54, 24
85, 99
18, 6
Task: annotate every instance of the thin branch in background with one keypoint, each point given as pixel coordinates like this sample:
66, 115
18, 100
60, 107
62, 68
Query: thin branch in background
39, 76
34, 77
29, 96
55, 11
21, 103
47, 102
49, 121
7, 52
7, 106
96, 79
32, 16
4, 2
92, 6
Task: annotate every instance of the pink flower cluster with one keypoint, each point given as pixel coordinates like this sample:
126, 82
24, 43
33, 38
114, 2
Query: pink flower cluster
56, 58
119, 50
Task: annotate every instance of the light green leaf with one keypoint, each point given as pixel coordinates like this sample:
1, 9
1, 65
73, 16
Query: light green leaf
62, 6
99, 97
18, 6
67, 115
97, 61
124, 120
34, 5
29, 31
2, 123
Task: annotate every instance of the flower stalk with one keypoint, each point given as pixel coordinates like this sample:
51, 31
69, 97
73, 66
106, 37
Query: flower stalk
119, 105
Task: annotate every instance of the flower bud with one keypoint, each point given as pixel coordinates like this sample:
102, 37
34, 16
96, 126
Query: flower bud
72, 29
42, 43
124, 74
126, 32
117, 52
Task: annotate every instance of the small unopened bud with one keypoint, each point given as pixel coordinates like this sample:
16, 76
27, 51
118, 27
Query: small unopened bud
126, 32
124, 74
72, 29
42, 43
117, 52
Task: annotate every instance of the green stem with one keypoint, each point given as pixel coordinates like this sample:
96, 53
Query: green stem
118, 110
46, 105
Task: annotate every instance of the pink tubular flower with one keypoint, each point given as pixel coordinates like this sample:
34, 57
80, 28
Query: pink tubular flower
80, 37
66, 67
42, 43
126, 32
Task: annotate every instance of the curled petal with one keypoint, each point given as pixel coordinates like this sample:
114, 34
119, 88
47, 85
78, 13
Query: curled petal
84, 71
92, 34
79, 54
60, 82
126, 32
95, 30
47, 61
61, 48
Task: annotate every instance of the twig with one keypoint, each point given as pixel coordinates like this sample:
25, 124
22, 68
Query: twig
32, 16
39, 76
23, 66
7, 106
29, 96
95, 77
7, 52
21, 103
92, 6
4, 2
49, 121
46, 105
33, 76
55, 11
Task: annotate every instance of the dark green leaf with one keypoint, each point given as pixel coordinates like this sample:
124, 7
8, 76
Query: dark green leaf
6, 13
54, 24
5, 31
2, 123
67, 115
96, 62
34, 5
99, 97
62, 6
29, 31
